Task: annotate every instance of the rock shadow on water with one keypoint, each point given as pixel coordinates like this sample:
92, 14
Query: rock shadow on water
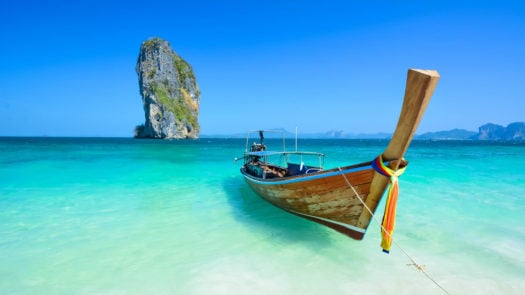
275, 223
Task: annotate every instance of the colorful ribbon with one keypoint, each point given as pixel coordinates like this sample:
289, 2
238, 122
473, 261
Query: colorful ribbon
389, 218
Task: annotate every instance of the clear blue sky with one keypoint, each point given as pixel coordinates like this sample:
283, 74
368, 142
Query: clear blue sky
67, 68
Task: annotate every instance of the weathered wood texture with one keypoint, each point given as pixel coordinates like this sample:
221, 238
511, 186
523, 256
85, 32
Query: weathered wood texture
327, 197
419, 89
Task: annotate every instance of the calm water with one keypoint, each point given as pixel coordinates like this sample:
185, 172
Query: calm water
124, 216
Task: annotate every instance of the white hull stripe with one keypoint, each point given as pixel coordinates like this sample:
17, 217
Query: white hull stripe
351, 227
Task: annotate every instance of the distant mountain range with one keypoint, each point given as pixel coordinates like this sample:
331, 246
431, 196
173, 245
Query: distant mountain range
513, 132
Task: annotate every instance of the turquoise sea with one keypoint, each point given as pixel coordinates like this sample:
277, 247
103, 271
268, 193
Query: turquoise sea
125, 216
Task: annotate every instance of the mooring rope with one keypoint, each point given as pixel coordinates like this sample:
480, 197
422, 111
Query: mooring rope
413, 262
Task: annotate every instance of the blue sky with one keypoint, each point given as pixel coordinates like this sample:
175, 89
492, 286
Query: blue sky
67, 68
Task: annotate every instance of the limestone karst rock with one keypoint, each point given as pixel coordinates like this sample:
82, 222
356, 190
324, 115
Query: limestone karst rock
169, 90
514, 131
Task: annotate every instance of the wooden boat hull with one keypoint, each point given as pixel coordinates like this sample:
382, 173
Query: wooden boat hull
324, 197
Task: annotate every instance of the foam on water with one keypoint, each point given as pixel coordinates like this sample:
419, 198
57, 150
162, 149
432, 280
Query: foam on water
136, 216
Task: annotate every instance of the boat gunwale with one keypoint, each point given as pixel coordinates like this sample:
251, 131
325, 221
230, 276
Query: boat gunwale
272, 153
308, 176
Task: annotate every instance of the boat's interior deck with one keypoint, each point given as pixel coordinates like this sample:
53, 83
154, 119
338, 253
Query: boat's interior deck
269, 171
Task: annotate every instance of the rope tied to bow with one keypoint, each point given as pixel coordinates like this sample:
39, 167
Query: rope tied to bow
389, 217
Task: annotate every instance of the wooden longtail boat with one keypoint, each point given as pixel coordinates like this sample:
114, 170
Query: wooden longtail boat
341, 198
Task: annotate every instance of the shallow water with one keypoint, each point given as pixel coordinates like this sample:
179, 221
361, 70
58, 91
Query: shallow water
126, 216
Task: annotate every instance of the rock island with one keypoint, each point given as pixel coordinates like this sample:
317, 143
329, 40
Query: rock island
170, 94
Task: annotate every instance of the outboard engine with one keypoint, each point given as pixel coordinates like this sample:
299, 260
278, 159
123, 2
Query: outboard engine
259, 147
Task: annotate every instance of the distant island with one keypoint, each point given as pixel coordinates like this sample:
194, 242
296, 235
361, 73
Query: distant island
513, 132
169, 90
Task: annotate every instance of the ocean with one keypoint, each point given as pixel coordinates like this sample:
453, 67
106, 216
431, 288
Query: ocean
126, 216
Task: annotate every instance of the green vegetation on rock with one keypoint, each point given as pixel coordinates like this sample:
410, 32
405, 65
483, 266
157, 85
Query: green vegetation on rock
177, 106
183, 68
151, 74
151, 42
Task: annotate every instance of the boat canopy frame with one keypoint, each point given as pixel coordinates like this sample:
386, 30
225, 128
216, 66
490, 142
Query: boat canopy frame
284, 156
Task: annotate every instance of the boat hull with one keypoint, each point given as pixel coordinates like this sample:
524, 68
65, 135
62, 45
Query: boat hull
324, 197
